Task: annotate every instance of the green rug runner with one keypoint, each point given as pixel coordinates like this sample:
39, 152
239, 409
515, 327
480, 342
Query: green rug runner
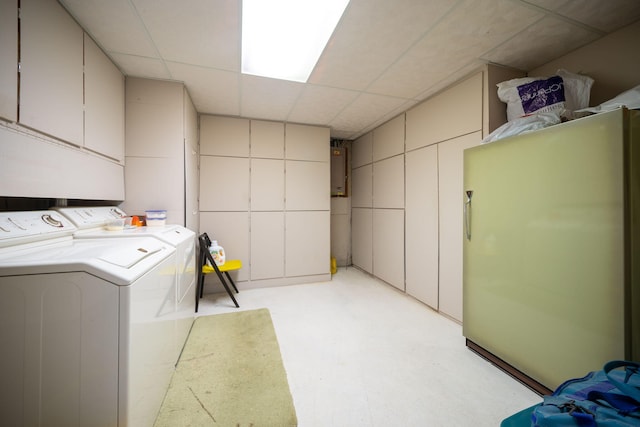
230, 374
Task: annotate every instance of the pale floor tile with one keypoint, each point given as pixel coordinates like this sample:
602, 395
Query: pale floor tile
359, 353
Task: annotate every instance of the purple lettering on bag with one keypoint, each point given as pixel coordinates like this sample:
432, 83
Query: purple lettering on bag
541, 93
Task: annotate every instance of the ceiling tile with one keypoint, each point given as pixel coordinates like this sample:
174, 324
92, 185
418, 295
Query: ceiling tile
474, 27
540, 43
549, 4
268, 99
199, 32
365, 110
371, 35
603, 15
140, 66
319, 105
212, 91
455, 75
113, 24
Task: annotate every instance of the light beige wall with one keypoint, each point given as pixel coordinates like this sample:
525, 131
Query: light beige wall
613, 62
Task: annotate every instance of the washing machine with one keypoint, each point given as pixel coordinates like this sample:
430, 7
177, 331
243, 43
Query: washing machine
82, 324
92, 223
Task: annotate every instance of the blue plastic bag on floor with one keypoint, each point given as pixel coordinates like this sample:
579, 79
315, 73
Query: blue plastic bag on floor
609, 398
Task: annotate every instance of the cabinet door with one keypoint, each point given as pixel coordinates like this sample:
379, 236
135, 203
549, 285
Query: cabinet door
9, 63
51, 76
450, 177
304, 142
362, 150
362, 187
267, 139
307, 245
104, 103
224, 183
267, 185
388, 139
388, 246
388, 183
362, 238
421, 234
231, 230
307, 185
454, 112
155, 119
192, 172
224, 136
267, 245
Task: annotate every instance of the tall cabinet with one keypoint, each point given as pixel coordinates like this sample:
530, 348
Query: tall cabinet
438, 131
406, 190
378, 202
161, 151
265, 196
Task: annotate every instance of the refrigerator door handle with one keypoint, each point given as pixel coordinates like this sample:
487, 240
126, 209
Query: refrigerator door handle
467, 214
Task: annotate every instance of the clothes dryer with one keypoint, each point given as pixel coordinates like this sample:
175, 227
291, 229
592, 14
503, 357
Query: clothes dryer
83, 324
92, 221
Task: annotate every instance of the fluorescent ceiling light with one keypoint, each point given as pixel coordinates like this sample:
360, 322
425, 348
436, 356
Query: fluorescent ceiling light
283, 39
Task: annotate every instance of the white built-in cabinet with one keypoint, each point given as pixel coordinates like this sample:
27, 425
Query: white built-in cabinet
51, 71
9, 62
421, 216
161, 151
377, 189
62, 126
104, 103
265, 196
438, 130
407, 193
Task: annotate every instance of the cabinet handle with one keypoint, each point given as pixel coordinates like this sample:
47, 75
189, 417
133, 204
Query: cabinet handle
467, 214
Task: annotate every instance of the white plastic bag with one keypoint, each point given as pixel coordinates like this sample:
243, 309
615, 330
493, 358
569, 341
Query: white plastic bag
524, 124
629, 99
564, 93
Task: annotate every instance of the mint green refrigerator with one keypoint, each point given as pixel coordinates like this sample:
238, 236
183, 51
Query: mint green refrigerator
550, 273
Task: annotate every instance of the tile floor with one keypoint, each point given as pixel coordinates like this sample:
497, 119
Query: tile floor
359, 353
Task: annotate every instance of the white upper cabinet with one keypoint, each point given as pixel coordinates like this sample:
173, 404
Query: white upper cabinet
307, 142
224, 136
267, 139
51, 76
104, 103
388, 139
155, 118
9, 62
455, 112
362, 150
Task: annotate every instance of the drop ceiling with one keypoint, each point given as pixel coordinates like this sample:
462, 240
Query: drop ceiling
384, 57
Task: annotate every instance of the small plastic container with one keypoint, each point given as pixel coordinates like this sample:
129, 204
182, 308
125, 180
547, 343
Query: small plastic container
156, 217
217, 253
115, 224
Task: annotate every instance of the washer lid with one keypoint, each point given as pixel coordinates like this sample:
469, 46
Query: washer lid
129, 255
